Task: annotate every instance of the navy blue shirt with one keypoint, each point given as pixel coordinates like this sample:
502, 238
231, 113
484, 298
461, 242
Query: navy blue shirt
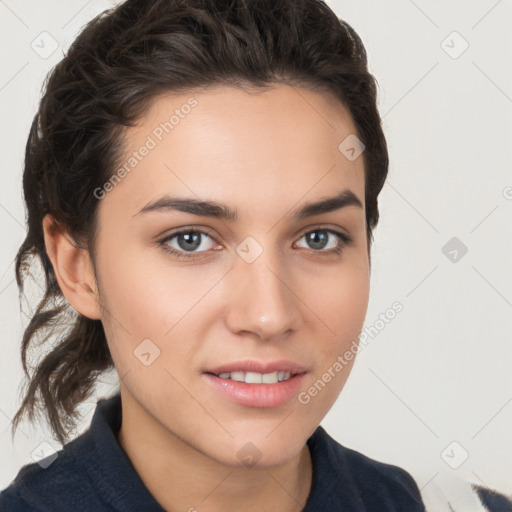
92, 473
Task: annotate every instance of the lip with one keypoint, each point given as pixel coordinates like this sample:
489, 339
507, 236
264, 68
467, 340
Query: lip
251, 365
256, 395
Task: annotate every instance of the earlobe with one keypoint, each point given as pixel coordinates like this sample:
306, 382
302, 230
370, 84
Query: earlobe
73, 269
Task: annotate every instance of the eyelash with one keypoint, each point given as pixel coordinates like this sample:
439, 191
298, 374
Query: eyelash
345, 240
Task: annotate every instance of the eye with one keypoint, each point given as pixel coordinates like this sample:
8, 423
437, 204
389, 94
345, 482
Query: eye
191, 243
187, 241
318, 240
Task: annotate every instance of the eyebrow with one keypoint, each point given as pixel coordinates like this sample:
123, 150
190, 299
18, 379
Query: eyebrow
220, 211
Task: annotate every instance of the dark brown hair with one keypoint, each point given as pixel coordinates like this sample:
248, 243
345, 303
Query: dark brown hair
117, 65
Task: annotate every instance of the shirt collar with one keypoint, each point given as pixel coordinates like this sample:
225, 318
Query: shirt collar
114, 474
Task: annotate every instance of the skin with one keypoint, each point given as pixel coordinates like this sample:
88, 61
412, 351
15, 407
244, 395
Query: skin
263, 154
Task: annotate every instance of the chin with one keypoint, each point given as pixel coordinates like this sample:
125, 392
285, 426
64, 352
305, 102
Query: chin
259, 451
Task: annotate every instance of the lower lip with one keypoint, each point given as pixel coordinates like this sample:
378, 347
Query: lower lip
257, 395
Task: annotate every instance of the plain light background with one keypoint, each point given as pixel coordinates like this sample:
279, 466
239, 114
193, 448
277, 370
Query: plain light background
433, 386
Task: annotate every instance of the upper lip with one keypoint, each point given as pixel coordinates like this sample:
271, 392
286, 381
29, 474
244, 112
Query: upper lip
251, 365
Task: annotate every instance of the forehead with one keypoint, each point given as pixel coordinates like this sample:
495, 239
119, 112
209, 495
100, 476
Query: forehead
317, 115
241, 147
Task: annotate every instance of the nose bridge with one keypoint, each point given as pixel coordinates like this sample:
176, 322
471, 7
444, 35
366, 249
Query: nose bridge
262, 301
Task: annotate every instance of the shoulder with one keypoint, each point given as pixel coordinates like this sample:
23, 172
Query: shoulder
384, 482
55, 483
364, 468
365, 482
10, 501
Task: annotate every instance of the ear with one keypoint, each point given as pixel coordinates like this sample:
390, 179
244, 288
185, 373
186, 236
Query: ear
73, 269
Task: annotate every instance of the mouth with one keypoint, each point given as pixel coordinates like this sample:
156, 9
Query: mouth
255, 384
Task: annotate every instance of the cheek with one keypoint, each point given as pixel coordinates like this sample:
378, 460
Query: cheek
141, 292
353, 303
145, 297
340, 310
339, 302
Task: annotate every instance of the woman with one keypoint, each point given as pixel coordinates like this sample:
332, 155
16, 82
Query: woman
201, 182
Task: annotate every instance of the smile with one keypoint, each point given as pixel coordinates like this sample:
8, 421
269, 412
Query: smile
256, 378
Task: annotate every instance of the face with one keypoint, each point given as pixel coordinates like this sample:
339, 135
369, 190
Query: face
188, 293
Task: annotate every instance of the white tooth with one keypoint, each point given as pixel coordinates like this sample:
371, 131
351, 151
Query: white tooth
256, 378
238, 376
253, 378
269, 378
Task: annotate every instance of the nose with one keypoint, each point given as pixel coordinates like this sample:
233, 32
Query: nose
262, 299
